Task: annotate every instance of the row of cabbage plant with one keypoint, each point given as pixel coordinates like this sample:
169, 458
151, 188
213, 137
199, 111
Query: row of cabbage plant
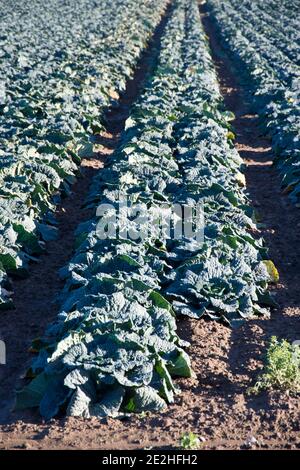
264, 39
55, 81
114, 348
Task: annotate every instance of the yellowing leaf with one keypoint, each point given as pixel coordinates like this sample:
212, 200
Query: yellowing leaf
240, 177
113, 94
272, 271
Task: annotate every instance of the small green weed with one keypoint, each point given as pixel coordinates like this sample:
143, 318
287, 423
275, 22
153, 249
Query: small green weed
190, 441
282, 368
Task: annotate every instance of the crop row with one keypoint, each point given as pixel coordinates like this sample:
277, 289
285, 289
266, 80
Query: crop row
264, 39
114, 347
61, 64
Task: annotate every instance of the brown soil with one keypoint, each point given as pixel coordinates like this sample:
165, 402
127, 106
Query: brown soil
213, 404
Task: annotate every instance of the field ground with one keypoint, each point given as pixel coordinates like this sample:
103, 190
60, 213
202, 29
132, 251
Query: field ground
214, 404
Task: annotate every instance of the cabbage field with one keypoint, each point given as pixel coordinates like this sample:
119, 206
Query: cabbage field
269, 59
51, 99
117, 346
